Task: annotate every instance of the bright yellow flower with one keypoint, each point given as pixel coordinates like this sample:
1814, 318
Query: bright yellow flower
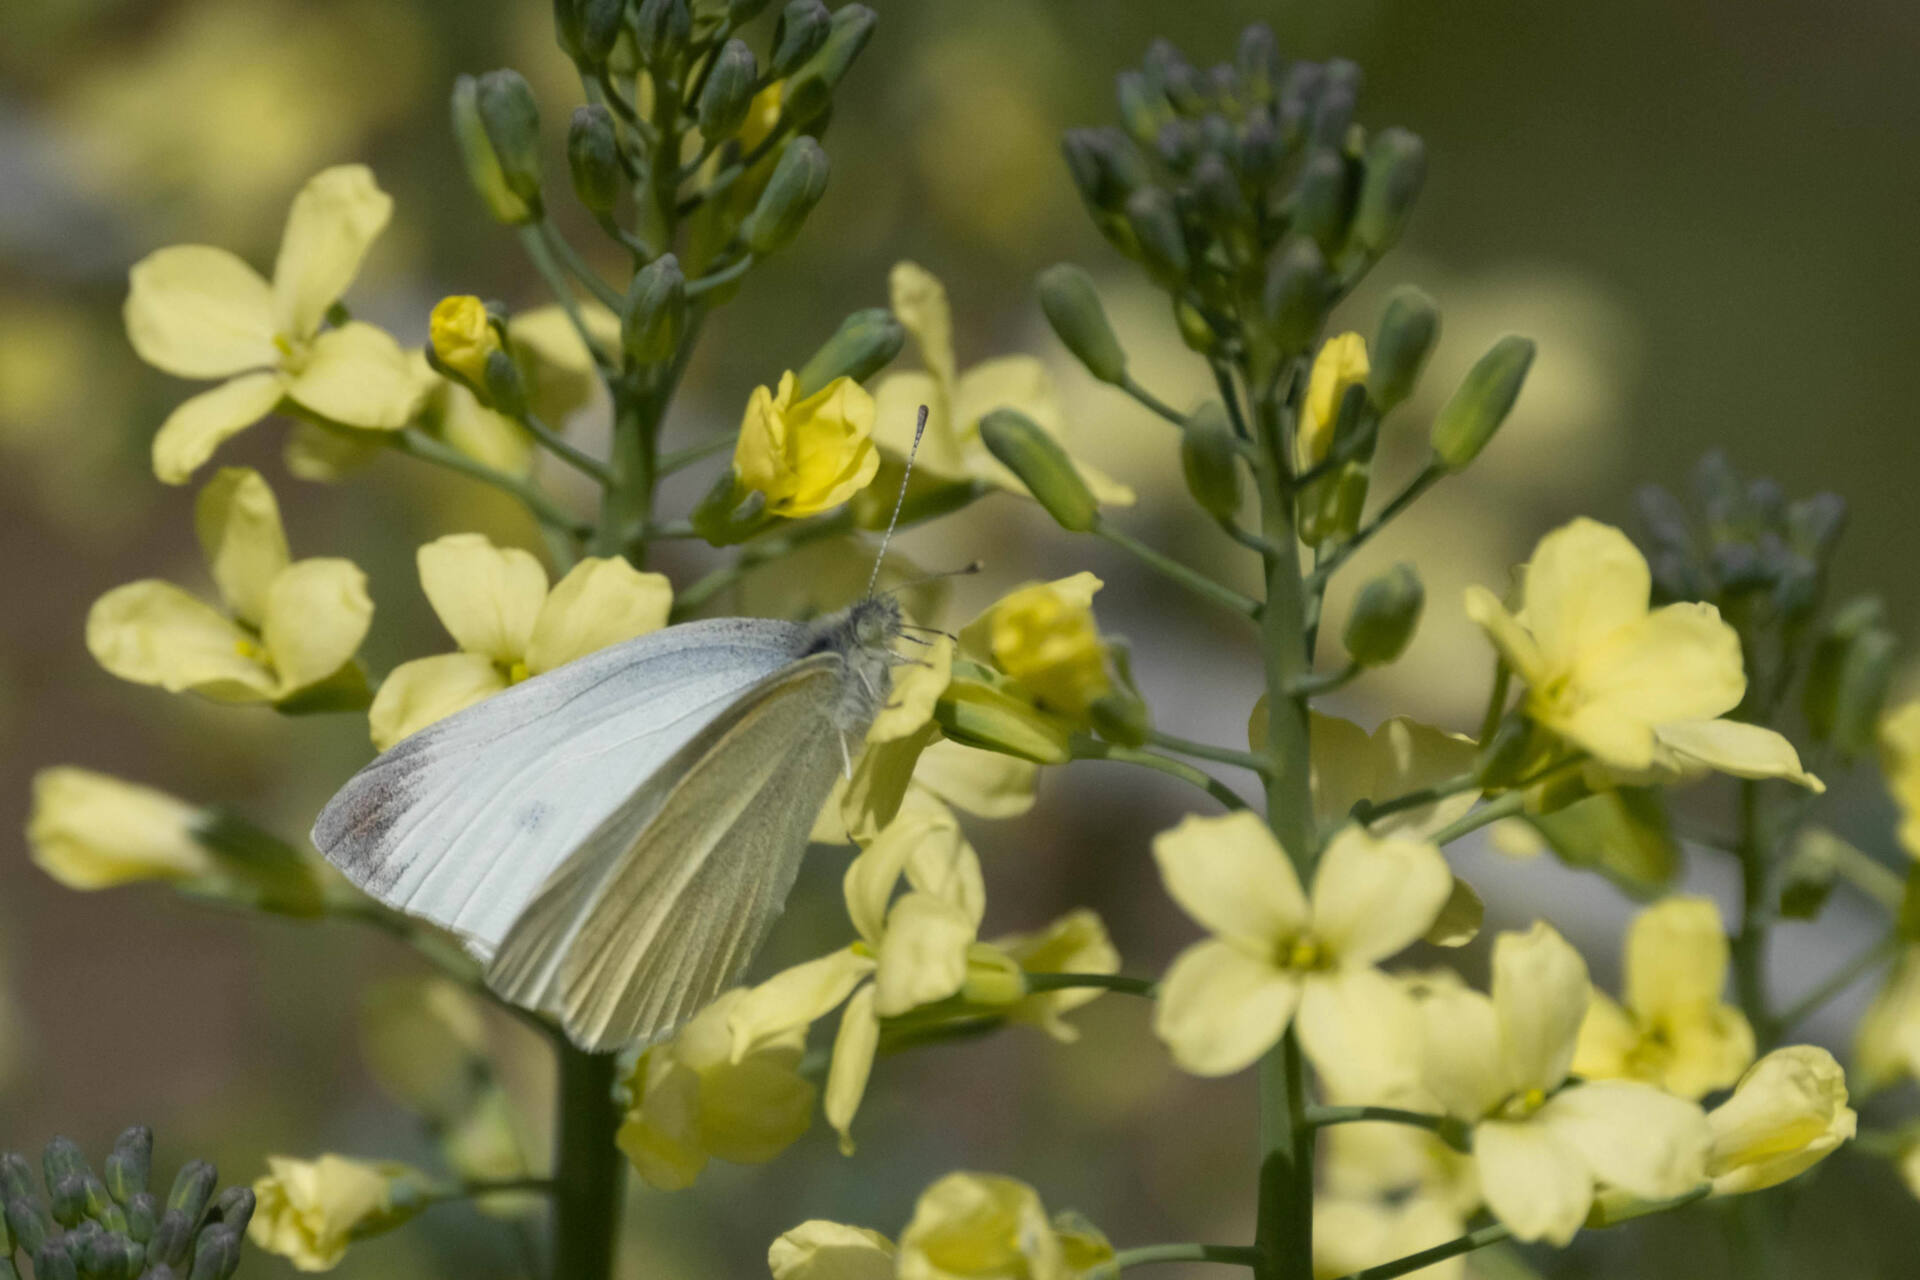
288, 624
1043, 635
975, 1226
689, 1100
1639, 690
1539, 1145
810, 455
1342, 363
309, 1210
1674, 1031
462, 336
1351, 1233
822, 1250
1886, 1045
951, 448
200, 312
1787, 1113
495, 604
1900, 761
1276, 954
92, 831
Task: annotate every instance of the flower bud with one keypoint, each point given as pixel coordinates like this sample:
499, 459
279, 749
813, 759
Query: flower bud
62, 1158
1143, 108
52, 1262
977, 714
67, 1197
1155, 220
810, 90
1396, 169
1121, 717
1339, 92
172, 1237
1219, 199
511, 120
1409, 327
1385, 615
795, 188
143, 1214
1042, 466
503, 386
216, 1255
567, 24
1258, 60
1325, 199
1259, 148
866, 342
110, 1256
1295, 297
16, 1177
1073, 309
28, 1224
740, 12
728, 92
462, 336
593, 158
100, 1205
656, 311
1846, 686
993, 977
1210, 459
598, 24
800, 31
192, 1189
1788, 1112
1106, 167
661, 29
1196, 331
1481, 403
1814, 525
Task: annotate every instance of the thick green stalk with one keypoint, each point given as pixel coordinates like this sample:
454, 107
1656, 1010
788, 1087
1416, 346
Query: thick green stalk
1750, 944
627, 504
589, 1176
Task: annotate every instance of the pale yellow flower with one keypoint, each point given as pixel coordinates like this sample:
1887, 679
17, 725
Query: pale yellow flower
308, 1211
91, 831
1276, 954
1075, 943
288, 625
1886, 1045
1540, 1146
1674, 1031
495, 604
1639, 690
1341, 363
952, 449
1043, 638
822, 1250
809, 455
975, 1226
690, 1100
1351, 1233
1787, 1113
200, 312
1900, 762
462, 336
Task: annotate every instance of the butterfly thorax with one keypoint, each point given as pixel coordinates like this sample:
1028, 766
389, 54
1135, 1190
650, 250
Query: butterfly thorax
862, 634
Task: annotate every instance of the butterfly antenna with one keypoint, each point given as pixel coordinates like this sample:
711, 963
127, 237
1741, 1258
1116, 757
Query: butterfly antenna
919, 429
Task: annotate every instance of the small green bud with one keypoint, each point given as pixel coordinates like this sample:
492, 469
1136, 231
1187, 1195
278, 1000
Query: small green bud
661, 29
593, 158
798, 34
1295, 297
28, 1224
1210, 458
1219, 198
728, 92
1847, 682
1807, 878
1143, 108
1121, 717
1409, 327
1333, 110
1481, 403
1326, 198
192, 1189
1258, 61
798, 181
51, 1261
1106, 167
1196, 331
1396, 168
656, 311
1385, 614
16, 1177
1072, 306
810, 91
130, 1163
62, 1157
977, 714
112, 1257
172, 1237
216, 1255
511, 119
599, 25
567, 25
101, 1207
142, 1216
1258, 149
730, 512
501, 381
1155, 220
865, 343
1042, 466
235, 1208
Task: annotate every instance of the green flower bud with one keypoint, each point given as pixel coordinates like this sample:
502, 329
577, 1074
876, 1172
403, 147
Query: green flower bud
798, 35
1396, 168
1121, 717
1105, 166
62, 1158
593, 158
741, 12
235, 1207
142, 1216
1409, 326
1385, 615
51, 1261
1210, 457
16, 1177
501, 381
977, 714
656, 311
661, 29
1326, 198
100, 1205
130, 1163
1155, 220
1481, 403
567, 26
1072, 306
112, 1257
1143, 108
1042, 466
797, 183
865, 343
1295, 297
1258, 60
172, 1237
1258, 149
1333, 109
728, 92
730, 512
216, 1255
599, 24
810, 90
28, 1224
192, 1189
1847, 681
511, 119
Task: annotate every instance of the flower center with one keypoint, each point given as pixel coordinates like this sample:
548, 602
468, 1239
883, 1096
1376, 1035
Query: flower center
1522, 1105
1304, 953
518, 671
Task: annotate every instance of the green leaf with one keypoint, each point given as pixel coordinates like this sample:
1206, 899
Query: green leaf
1622, 834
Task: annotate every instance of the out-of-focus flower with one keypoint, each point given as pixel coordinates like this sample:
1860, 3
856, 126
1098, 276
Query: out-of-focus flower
975, 1226
1787, 1113
92, 831
308, 1211
200, 312
422, 1039
1900, 762
810, 455
1075, 943
690, 1100
1639, 690
822, 1250
1675, 1031
1038, 658
495, 604
1539, 1145
1341, 363
289, 625
462, 336
1401, 756
1886, 1044
1351, 1234
1276, 954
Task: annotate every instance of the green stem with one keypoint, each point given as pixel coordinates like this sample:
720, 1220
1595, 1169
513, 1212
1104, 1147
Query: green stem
1151, 401
1104, 981
1750, 944
627, 507
1503, 807
1207, 751
1842, 978
1450, 1130
1316, 683
1085, 747
608, 296
589, 1176
1367, 811
1870, 877
578, 459
1192, 579
1477, 1239
418, 444
725, 275
1401, 501
1238, 1255
543, 261
680, 459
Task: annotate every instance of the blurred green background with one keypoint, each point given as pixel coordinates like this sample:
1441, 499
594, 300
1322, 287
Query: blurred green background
1702, 212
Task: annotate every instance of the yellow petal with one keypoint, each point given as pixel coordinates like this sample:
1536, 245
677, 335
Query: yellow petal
1586, 581
1359, 1016
91, 831
1460, 1051
238, 523
872, 876
751, 1111
1221, 1008
795, 997
1900, 763
1231, 875
359, 376
1340, 773
1340, 364
970, 1224
854, 1045
1679, 663
821, 1250
325, 456
1351, 1233
200, 312
1709, 1050
1788, 1112
1607, 1042
1540, 994
1632, 1135
659, 1135
487, 597
919, 303
318, 612
945, 865
1676, 957
1731, 747
984, 783
922, 954
419, 693
897, 398
452, 413
1886, 1044
334, 218
152, 632
201, 424
1484, 609
601, 602
868, 802
1534, 1180
1372, 897
1075, 943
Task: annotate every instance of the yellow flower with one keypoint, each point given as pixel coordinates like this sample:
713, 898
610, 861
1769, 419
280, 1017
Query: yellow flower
690, 1100
462, 336
822, 1250
200, 312
1539, 1148
1639, 690
1276, 953
1788, 1112
975, 1226
495, 604
1043, 635
1075, 943
951, 448
1886, 1045
288, 624
1342, 363
92, 831
1900, 761
810, 455
1675, 1031
309, 1210
1352, 1233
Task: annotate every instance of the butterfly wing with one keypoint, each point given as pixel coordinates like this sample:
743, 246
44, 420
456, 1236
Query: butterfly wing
663, 905
463, 822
